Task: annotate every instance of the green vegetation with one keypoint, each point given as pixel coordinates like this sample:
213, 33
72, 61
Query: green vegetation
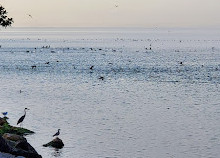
6, 128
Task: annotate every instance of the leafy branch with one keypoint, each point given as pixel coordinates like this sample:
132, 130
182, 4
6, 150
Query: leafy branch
5, 21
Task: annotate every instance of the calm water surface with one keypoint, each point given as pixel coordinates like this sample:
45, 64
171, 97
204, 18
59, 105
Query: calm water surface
159, 97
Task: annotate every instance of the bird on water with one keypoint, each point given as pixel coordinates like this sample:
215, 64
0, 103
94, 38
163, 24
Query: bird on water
21, 119
56, 134
91, 67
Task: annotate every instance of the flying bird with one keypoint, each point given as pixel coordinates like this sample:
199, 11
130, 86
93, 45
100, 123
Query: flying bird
30, 15
21, 119
56, 134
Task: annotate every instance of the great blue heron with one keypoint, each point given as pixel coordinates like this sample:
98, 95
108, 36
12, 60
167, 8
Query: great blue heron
22, 117
56, 134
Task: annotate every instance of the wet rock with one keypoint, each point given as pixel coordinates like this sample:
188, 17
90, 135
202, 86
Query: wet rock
17, 145
4, 147
13, 142
6, 155
2, 121
56, 143
13, 137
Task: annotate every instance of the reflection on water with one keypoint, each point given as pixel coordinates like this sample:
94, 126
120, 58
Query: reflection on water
57, 153
158, 102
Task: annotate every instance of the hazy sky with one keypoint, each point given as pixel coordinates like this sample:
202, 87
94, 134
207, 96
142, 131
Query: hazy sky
102, 13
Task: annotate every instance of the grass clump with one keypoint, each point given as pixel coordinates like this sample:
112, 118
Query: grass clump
6, 128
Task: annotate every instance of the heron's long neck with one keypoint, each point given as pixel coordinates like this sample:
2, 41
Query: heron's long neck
24, 112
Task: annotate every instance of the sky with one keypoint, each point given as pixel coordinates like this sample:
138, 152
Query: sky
104, 13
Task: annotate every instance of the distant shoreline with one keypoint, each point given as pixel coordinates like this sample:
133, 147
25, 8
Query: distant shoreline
113, 28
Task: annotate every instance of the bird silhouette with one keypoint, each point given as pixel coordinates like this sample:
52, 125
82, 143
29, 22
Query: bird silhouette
56, 134
29, 15
91, 67
22, 117
101, 78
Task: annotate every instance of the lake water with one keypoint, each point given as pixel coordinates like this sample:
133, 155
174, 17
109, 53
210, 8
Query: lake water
159, 97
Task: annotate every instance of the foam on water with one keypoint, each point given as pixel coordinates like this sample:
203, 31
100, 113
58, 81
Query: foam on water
158, 102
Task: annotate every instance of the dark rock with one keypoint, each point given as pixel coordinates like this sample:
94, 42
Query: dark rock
5, 117
20, 147
4, 147
13, 137
56, 143
2, 121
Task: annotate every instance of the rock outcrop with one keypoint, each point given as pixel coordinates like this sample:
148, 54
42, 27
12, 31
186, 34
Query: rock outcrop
13, 142
56, 143
17, 145
6, 128
2, 121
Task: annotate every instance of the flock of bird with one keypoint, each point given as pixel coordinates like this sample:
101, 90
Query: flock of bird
21, 119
